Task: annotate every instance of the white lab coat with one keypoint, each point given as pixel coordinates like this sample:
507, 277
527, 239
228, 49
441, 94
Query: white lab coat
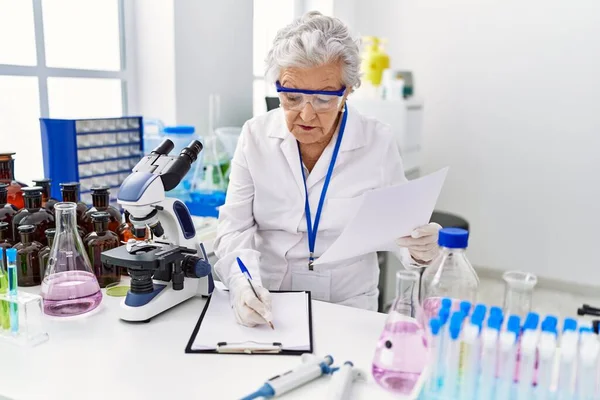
263, 220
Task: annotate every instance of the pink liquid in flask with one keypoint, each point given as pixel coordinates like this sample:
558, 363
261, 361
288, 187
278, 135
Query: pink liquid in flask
71, 293
400, 356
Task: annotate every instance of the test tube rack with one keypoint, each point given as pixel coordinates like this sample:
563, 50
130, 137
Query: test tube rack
22, 319
90, 151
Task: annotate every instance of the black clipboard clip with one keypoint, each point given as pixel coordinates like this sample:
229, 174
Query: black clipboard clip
249, 347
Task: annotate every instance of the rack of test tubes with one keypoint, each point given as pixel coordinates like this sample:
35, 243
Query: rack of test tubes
92, 152
478, 353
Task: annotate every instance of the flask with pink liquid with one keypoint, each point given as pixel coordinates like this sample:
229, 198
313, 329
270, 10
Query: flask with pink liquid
402, 349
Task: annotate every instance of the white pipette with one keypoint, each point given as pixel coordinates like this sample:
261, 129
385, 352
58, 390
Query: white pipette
312, 367
342, 380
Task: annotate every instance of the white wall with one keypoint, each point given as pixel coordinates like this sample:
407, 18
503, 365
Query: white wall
189, 49
154, 52
512, 104
213, 54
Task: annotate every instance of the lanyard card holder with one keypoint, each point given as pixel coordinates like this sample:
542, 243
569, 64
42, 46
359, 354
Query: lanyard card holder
249, 348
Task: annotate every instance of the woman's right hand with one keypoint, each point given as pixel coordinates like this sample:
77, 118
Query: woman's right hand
248, 309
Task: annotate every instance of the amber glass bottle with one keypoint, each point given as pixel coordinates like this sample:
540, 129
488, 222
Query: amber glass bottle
28, 261
7, 175
100, 202
6, 241
45, 252
47, 201
125, 230
70, 194
7, 210
34, 214
102, 239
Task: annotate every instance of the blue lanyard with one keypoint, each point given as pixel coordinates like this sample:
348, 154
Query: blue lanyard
312, 229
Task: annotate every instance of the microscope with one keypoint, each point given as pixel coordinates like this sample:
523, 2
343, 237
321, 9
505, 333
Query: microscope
171, 266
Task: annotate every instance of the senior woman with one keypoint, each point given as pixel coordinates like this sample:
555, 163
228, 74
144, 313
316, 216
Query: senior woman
297, 173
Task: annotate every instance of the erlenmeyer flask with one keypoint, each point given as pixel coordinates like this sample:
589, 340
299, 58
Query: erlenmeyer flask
401, 352
69, 286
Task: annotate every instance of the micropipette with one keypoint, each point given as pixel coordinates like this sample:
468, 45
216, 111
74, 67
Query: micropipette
312, 367
489, 343
546, 350
340, 387
586, 370
470, 351
452, 350
507, 357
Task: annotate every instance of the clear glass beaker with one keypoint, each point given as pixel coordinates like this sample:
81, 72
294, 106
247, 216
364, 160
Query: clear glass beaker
518, 292
69, 286
401, 352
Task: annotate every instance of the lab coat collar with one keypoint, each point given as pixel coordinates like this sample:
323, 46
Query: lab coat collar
354, 135
354, 138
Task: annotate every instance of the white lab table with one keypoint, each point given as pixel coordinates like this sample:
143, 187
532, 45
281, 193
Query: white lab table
99, 356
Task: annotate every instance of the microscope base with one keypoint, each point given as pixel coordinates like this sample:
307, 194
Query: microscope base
163, 298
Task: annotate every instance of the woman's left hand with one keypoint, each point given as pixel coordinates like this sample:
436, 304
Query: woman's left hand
422, 244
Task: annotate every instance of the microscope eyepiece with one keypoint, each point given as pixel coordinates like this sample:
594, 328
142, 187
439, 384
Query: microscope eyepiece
192, 150
164, 148
181, 165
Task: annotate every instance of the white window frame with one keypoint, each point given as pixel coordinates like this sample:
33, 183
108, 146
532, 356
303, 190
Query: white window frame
43, 72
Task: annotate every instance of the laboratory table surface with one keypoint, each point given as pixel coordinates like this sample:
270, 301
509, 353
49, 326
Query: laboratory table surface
98, 356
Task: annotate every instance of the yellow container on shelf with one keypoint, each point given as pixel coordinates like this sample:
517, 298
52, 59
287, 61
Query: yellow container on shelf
374, 60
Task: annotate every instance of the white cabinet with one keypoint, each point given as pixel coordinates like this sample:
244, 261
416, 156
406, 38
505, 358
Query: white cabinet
406, 119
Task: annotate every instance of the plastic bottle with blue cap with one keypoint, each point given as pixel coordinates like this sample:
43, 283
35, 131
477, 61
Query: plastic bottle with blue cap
451, 274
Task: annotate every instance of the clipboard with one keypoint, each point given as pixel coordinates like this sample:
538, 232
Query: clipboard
251, 347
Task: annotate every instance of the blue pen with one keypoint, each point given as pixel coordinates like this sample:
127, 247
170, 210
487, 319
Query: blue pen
11, 256
246, 273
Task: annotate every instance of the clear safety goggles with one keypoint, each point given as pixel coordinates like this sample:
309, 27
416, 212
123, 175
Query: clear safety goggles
320, 100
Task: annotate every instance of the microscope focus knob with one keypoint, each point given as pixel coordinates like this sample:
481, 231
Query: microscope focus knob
196, 267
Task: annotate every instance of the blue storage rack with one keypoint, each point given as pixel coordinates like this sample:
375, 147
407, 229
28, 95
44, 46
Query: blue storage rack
102, 151
93, 152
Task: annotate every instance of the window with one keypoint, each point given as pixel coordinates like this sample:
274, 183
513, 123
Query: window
269, 17
58, 59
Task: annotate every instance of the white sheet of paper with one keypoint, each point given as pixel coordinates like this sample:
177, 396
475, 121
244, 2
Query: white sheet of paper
385, 215
290, 318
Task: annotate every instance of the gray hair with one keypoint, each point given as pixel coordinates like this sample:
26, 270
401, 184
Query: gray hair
312, 40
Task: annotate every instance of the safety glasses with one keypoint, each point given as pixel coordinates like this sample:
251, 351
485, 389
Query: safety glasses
320, 100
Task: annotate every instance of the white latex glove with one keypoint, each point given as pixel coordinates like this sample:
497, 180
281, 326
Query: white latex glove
422, 243
249, 310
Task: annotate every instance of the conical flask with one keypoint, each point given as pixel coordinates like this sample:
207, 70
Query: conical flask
401, 352
69, 286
